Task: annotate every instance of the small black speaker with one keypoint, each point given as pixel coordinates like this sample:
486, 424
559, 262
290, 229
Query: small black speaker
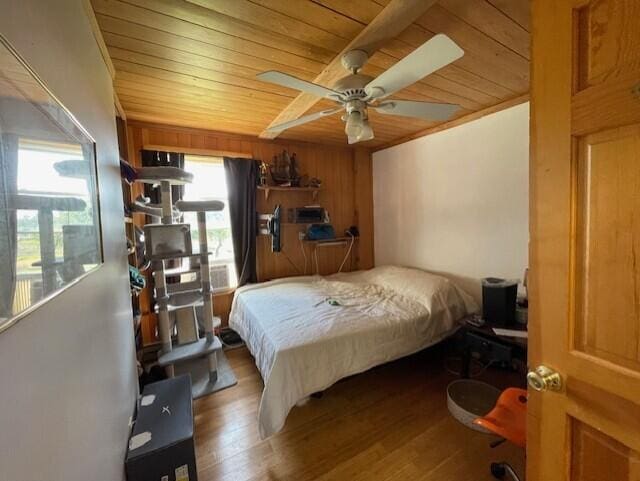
499, 301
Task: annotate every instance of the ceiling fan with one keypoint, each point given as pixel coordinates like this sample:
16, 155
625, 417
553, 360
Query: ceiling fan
357, 92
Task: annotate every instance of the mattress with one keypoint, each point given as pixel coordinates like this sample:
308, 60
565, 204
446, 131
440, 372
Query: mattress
306, 333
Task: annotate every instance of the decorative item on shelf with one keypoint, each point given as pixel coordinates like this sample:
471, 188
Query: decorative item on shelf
294, 171
284, 170
315, 182
262, 179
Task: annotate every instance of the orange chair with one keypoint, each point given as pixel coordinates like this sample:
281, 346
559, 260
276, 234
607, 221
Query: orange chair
508, 419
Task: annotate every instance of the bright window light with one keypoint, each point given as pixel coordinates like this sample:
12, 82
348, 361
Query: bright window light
209, 183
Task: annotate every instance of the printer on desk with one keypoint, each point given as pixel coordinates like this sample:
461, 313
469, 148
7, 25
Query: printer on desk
306, 215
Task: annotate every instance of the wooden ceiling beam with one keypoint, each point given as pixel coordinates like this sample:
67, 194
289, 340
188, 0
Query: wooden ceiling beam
388, 24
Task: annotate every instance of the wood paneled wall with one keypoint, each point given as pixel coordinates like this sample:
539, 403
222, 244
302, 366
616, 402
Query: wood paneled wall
346, 193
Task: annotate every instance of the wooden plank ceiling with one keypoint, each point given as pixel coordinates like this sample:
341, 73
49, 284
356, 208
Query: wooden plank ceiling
193, 63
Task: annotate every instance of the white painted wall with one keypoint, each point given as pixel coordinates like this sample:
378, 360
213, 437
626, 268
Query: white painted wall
67, 371
457, 201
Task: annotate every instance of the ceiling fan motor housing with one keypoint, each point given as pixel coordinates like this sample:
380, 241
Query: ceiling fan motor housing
352, 86
354, 60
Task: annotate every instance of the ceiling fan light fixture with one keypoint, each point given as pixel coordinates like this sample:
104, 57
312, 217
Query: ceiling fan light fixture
367, 131
354, 125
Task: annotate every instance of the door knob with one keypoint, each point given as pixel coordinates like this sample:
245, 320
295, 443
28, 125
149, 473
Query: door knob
543, 379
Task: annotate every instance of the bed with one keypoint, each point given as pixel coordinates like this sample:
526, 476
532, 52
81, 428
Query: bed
306, 333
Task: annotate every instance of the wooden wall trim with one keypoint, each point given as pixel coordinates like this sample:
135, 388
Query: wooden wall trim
198, 151
140, 124
520, 99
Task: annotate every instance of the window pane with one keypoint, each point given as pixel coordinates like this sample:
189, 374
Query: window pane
208, 178
209, 183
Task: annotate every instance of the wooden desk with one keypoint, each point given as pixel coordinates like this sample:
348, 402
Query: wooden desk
485, 341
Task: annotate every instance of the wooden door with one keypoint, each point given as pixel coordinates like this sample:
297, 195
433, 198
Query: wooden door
585, 240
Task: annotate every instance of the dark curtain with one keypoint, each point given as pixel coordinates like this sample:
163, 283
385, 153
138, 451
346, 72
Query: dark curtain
154, 158
8, 222
241, 175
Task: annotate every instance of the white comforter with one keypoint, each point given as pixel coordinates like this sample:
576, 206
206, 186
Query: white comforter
303, 344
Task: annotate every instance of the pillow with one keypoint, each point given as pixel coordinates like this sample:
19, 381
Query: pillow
433, 291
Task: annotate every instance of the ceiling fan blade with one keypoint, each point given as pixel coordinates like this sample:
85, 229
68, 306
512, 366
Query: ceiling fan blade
432, 55
303, 120
421, 110
286, 80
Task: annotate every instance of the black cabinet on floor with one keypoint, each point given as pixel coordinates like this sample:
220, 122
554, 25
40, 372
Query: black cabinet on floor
161, 447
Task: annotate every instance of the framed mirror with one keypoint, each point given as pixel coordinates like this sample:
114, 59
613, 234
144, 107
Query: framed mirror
50, 233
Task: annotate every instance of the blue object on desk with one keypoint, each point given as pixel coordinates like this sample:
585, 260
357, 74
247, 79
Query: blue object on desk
320, 232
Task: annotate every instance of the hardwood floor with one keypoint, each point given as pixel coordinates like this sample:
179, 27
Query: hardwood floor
390, 423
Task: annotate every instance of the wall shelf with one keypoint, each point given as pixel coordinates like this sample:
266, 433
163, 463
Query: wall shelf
330, 242
268, 188
302, 224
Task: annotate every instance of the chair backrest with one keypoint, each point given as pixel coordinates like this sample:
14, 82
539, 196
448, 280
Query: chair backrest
508, 418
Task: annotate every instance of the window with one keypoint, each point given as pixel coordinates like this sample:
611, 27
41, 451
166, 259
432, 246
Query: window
209, 183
